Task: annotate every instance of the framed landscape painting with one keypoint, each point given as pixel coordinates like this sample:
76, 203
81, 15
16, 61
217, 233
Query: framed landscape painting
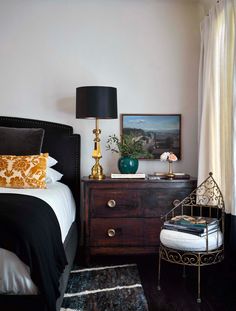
158, 132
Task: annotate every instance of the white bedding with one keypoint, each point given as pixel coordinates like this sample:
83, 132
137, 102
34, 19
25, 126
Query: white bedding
14, 274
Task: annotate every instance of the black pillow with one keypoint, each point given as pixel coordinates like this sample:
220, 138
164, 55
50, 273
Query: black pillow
20, 141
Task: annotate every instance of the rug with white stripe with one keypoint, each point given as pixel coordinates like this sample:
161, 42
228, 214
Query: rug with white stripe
109, 288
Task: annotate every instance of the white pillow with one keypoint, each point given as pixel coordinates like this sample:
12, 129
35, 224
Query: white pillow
52, 175
51, 162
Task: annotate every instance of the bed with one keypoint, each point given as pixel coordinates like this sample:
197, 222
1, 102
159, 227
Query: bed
64, 146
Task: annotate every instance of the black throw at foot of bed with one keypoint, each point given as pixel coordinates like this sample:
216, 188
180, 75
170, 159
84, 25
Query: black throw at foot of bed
64, 146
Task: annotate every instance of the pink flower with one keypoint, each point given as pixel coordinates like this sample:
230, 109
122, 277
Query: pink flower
168, 156
172, 157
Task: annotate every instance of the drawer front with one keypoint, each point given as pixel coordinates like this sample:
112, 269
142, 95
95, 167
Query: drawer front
158, 202
134, 203
124, 232
115, 203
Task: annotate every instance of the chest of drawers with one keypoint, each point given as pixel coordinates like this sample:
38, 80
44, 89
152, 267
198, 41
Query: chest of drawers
123, 216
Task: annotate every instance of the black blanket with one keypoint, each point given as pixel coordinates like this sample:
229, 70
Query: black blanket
30, 229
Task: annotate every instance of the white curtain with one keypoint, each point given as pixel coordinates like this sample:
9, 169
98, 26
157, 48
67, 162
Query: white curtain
217, 112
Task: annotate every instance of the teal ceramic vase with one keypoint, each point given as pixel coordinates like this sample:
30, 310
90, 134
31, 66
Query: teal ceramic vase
127, 165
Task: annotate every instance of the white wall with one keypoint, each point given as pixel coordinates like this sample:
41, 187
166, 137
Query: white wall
148, 49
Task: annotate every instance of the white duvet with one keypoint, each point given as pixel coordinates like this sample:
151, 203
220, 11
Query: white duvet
14, 274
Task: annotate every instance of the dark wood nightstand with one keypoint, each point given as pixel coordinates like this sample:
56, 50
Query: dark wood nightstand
122, 216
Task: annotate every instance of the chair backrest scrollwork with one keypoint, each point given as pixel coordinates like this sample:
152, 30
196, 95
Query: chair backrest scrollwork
204, 201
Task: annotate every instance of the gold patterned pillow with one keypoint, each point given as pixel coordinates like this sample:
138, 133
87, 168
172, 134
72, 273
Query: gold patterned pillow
23, 171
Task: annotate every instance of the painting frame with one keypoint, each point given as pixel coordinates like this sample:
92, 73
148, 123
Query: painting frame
158, 132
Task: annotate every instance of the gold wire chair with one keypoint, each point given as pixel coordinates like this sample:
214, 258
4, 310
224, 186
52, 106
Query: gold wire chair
205, 201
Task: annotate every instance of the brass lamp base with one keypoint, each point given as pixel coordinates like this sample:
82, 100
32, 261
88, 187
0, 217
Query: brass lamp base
97, 177
97, 171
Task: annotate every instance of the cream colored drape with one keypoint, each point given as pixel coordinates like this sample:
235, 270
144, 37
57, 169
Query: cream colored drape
217, 124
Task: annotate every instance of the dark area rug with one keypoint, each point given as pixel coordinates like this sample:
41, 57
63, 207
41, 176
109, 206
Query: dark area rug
109, 288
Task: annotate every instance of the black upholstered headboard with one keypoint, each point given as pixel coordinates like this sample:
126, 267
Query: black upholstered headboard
60, 142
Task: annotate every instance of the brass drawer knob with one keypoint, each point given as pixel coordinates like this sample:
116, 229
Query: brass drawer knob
111, 233
111, 203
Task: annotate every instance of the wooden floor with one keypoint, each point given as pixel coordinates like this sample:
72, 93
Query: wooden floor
218, 287
218, 284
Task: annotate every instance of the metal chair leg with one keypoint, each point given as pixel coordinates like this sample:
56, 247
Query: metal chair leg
159, 271
199, 284
184, 272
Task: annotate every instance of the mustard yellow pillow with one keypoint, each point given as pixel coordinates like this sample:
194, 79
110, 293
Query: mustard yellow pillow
23, 171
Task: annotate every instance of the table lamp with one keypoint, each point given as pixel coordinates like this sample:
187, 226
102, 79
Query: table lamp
98, 102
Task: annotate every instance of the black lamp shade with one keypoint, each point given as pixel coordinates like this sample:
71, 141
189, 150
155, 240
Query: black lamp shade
96, 102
